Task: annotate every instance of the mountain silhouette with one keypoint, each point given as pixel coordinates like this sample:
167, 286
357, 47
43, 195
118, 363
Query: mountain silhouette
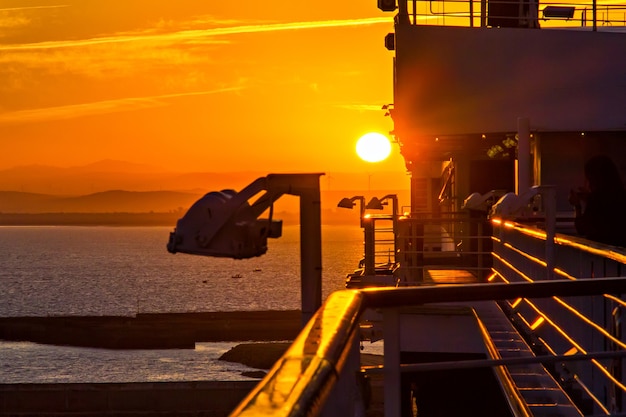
115, 175
116, 201
113, 186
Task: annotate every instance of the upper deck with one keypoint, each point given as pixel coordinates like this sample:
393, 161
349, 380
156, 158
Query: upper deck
579, 15
472, 68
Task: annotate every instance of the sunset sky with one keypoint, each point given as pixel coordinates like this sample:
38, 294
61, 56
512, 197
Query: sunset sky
283, 86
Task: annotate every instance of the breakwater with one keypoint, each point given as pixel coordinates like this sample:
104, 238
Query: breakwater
195, 398
145, 331
153, 331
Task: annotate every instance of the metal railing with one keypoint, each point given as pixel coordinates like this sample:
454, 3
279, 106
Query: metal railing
517, 13
449, 239
563, 293
562, 325
319, 373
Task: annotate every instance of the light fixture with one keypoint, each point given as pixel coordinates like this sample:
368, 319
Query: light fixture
558, 12
390, 41
375, 204
349, 203
387, 5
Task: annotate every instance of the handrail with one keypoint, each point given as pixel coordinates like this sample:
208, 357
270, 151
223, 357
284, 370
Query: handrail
557, 14
302, 379
581, 327
614, 253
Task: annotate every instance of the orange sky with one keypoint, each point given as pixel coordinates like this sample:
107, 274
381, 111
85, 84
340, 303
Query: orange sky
194, 85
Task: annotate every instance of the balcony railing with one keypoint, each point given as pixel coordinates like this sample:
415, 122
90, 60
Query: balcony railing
444, 240
563, 294
592, 15
567, 325
319, 373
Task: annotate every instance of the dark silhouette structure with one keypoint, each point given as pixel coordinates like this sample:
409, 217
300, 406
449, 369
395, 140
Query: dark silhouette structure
601, 204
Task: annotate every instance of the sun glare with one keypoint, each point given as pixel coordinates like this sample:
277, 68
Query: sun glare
373, 147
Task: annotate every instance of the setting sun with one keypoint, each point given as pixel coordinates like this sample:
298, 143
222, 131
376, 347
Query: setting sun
373, 147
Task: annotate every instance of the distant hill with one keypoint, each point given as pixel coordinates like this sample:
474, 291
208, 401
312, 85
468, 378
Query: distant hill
135, 202
18, 202
112, 165
111, 186
102, 177
105, 202
108, 175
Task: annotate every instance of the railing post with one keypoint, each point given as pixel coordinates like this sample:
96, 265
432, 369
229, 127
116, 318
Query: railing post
370, 246
483, 13
523, 155
548, 194
346, 398
594, 14
480, 249
392, 389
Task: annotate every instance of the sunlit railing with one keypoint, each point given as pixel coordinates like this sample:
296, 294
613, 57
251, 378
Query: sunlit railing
601, 15
319, 373
563, 293
567, 325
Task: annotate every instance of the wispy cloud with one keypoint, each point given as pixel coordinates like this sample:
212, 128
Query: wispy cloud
13, 22
18, 17
15, 9
100, 107
189, 35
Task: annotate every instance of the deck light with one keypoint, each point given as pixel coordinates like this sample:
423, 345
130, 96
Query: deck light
387, 5
377, 203
349, 203
390, 41
558, 12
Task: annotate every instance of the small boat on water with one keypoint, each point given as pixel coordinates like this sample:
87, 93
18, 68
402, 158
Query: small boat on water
236, 276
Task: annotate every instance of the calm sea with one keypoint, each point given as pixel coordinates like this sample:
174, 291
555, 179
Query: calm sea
48, 271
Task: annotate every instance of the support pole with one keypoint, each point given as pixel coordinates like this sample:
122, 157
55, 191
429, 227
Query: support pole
370, 246
523, 155
548, 195
310, 249
391, 357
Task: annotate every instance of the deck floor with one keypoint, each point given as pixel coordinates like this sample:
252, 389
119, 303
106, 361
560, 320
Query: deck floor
500, 331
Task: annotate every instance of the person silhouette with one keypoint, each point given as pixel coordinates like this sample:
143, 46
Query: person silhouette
601, 204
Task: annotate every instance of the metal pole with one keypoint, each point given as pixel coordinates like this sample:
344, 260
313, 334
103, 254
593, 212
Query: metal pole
391, 349
346, 397
310, 251
370, 246
523, 155
594, 9
548, 195
394, 201
403, 12
483, 13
